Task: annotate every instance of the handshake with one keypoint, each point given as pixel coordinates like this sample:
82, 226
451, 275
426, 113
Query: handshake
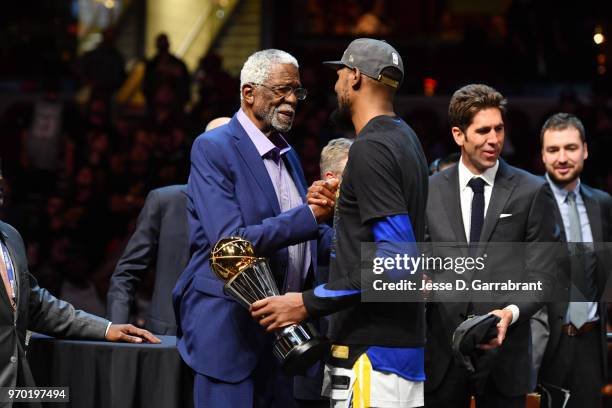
321, 198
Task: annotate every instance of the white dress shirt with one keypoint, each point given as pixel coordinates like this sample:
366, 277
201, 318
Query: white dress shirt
466, 194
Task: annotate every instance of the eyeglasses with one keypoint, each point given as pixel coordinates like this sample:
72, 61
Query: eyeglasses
284, 91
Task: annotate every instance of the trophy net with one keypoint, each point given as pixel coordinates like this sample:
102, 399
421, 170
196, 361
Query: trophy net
253, 283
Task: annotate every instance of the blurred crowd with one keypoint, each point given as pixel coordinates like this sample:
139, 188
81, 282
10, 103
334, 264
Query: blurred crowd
77, 172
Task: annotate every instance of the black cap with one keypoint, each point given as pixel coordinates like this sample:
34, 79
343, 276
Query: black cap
472, 332
372, 57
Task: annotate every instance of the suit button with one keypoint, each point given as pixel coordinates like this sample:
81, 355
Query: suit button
13, 359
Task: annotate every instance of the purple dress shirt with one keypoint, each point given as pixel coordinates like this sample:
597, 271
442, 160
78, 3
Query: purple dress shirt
271, 151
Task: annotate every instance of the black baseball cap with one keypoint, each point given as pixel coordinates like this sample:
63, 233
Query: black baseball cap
372, 57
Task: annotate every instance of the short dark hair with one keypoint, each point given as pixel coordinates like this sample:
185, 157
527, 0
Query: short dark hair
562, 121
392, 73
471, 99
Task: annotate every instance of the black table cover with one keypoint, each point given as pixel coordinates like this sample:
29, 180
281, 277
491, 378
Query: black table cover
112, 375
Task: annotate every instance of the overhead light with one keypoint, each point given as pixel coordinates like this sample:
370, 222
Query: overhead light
599, 38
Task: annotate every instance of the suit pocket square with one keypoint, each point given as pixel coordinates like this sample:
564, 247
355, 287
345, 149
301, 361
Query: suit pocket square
505, 215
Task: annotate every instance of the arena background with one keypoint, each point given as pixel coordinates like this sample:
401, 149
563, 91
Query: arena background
84, 135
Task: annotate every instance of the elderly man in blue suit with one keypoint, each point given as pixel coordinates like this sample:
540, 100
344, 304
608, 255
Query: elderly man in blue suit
246, 181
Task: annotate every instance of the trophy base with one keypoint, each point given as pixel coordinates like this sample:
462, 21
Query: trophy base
301, 358
298, 347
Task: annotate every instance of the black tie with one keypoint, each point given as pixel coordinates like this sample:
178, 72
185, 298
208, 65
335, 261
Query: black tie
478, 204
476, 221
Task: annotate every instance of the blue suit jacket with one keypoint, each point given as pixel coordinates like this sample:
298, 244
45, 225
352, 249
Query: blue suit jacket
230, 193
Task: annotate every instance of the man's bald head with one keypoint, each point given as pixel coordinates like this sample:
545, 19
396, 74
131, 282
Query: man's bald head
215, 123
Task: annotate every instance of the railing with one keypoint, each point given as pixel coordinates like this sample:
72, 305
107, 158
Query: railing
206, 28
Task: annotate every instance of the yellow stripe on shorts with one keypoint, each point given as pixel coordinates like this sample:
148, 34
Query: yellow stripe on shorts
361, 389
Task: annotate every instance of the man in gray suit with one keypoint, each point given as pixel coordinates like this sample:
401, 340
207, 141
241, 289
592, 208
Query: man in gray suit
483, 200
576, 355
26, 306
160, 240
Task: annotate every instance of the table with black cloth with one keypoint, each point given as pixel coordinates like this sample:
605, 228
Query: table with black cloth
112, 375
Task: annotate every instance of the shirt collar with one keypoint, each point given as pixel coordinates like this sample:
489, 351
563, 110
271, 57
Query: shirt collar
262, 143
465, 175
561, 193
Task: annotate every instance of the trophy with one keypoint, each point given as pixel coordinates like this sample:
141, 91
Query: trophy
248, 279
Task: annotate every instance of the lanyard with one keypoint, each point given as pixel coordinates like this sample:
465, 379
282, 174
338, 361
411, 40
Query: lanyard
9, 270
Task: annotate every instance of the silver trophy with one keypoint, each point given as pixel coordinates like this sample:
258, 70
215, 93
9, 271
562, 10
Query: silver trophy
248, 279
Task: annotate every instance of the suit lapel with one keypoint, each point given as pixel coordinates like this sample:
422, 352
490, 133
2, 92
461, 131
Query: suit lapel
452, 204
254, 162
593, 212
559, 221
292, 163
3, 294
502, 190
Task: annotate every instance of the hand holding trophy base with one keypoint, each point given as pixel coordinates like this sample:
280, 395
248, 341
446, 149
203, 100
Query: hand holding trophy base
249, 279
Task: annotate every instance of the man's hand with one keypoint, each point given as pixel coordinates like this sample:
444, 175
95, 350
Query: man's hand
323, 192
320, 213
130, 334
506, 318
279, 311
322, 198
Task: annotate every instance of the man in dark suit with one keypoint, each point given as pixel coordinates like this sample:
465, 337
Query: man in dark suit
26, 306
246, 181
160, 239
576, 354
484, 200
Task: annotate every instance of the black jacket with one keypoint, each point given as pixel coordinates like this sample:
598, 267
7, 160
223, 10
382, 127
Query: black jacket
161, 241
599, 211
528, 200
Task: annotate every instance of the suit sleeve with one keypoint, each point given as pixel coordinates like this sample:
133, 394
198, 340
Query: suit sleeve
542, 252
138, 256
326, 233
46, 313
52, 316
212, 188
